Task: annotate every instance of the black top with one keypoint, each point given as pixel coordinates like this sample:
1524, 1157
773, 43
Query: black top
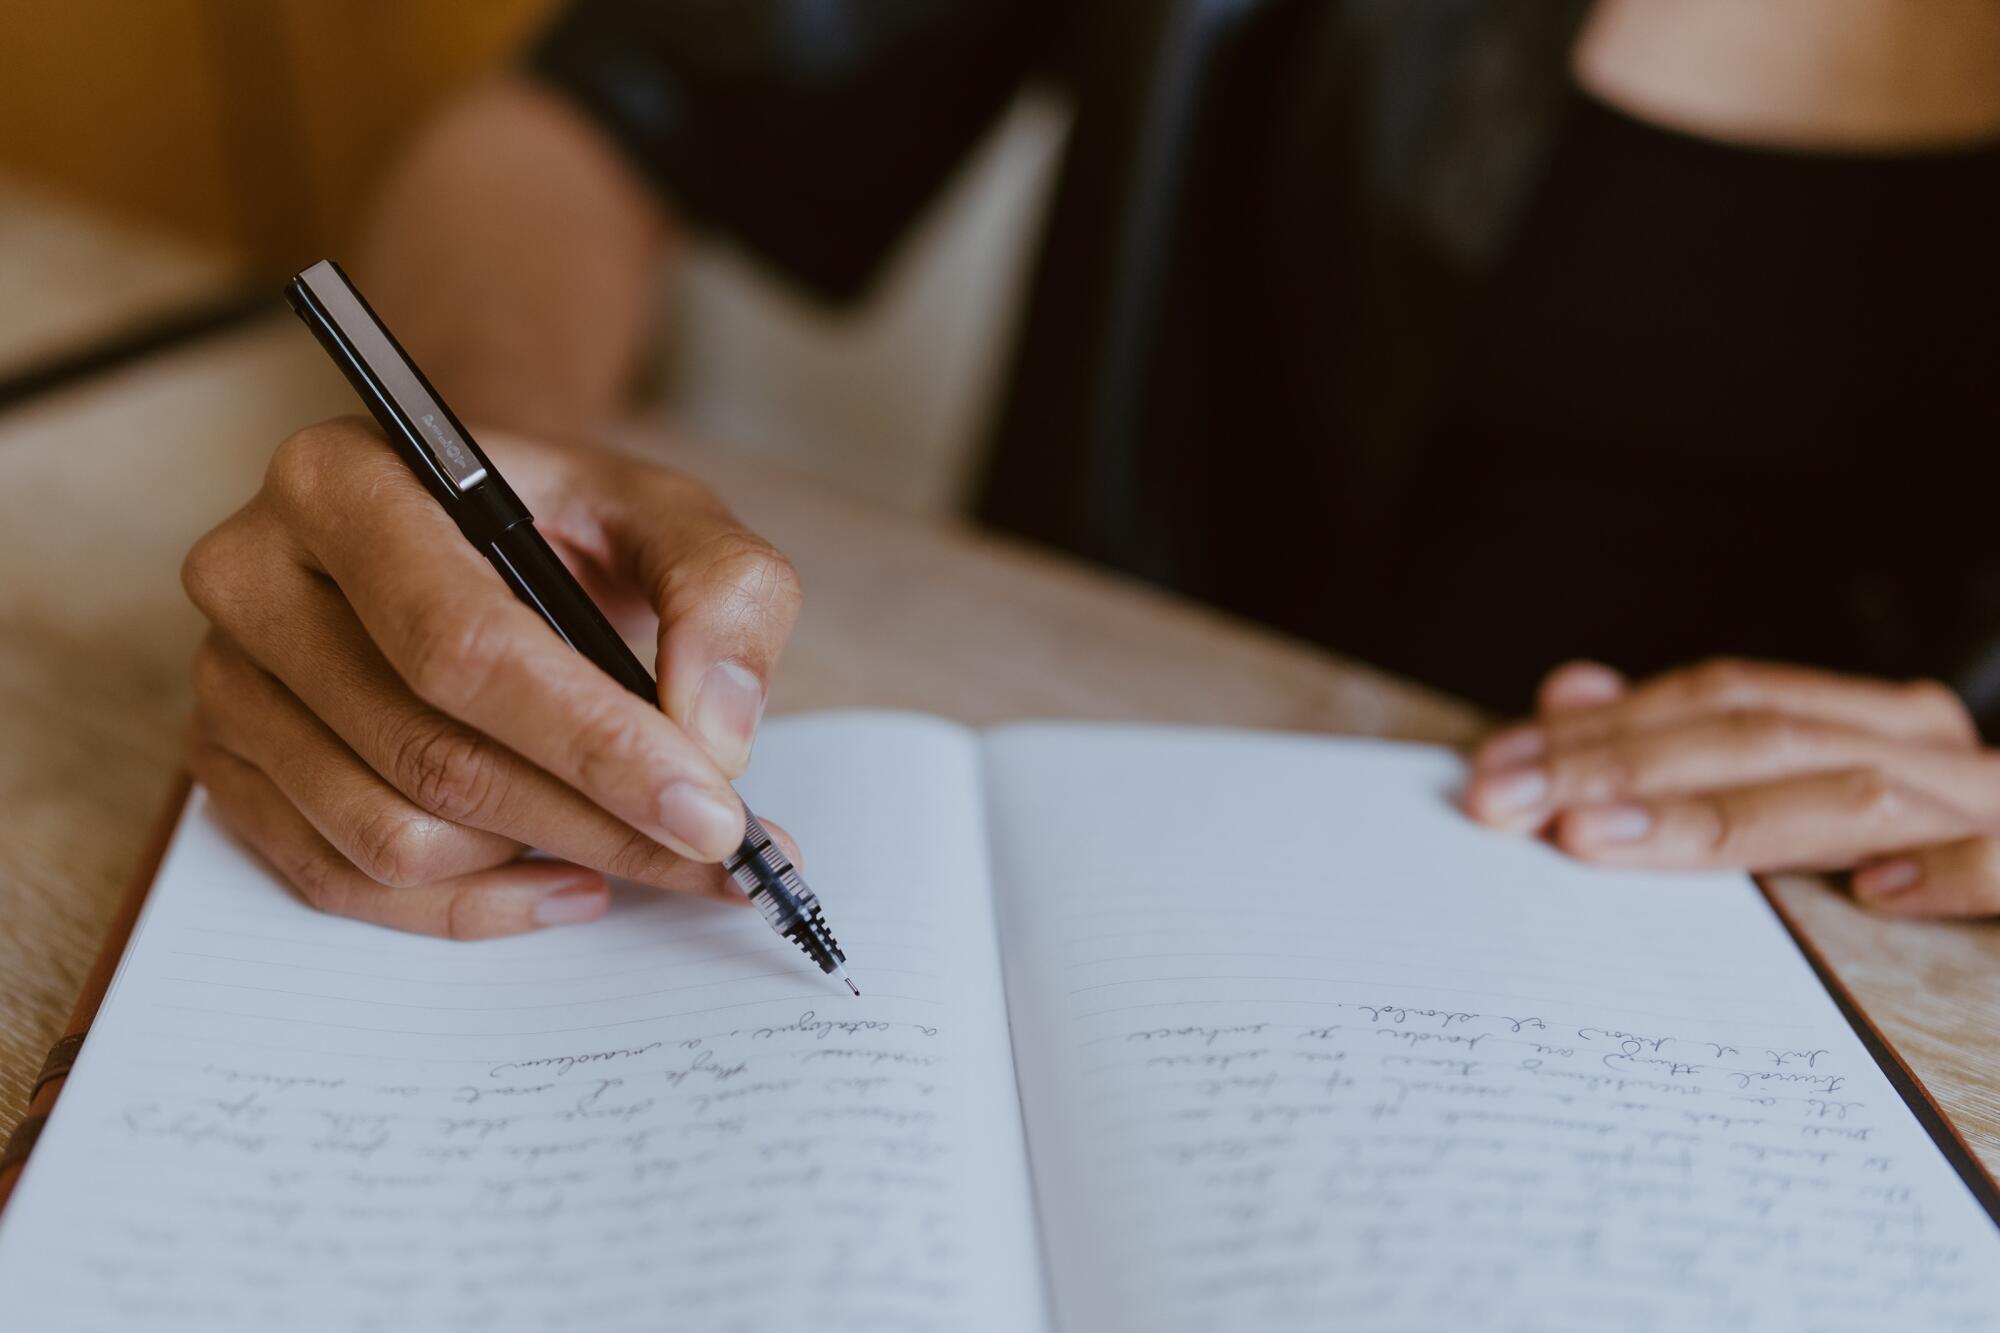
1354, 319
1717, 399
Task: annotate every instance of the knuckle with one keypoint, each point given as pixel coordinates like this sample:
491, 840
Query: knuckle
293, 475
641, 860
604, 747
1724, 829
397, 849
213, 570
1611, 767
321, 464
1867, 794
461, 918
1721, 680
1759, 732
751, 580
451, 660
1943, 702
321, 883
468, 917
446, 770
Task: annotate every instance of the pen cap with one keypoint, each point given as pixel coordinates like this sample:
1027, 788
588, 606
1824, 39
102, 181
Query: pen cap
432, 440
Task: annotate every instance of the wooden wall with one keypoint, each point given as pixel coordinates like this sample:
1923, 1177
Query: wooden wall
251, 125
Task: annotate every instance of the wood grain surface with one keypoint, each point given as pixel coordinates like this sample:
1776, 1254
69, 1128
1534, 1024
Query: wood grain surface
103, 488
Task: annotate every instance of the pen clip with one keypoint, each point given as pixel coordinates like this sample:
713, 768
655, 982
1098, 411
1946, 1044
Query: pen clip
370, 350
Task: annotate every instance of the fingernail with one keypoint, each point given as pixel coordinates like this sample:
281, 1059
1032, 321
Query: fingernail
1887, 877
727, 706
703, 822
1611, 823
1515, 746
578, 902
1511, 792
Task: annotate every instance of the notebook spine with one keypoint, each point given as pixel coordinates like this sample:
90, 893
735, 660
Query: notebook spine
62, 1055
19, 1143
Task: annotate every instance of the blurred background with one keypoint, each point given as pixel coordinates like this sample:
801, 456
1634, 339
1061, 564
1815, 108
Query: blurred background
217, 146
1462, 337
1357, 318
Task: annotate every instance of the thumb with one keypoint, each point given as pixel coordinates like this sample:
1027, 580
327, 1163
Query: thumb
726, 600
1952, 879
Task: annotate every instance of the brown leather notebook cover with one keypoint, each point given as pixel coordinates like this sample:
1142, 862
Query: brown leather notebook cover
63, 1054
55, 1070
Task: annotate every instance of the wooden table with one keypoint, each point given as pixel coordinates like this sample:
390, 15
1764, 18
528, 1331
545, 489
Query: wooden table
103, 488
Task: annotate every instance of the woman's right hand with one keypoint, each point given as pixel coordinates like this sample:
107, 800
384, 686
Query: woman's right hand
381, 720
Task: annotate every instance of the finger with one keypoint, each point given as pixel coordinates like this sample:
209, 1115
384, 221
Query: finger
1923, 712
465, 646
727, 601
1733, 749
1570, 687
1825, 821
1577, 685
508, 900
1953, 879
374, 826
298, 625
294, 624
725, 598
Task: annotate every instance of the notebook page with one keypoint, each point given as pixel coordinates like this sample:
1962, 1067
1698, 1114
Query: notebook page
662, 1119
1301, 1047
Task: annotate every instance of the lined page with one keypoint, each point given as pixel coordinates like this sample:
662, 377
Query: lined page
664, 1119
1300, 1047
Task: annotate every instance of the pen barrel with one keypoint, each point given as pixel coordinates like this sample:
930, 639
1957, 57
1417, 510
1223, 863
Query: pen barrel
537, 576
462, 479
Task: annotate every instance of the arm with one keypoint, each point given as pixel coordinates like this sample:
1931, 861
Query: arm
516, 254
375, 714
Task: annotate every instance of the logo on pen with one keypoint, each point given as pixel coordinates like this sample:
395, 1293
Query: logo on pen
455, 459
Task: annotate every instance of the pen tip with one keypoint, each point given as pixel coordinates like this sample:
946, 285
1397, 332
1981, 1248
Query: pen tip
851, 986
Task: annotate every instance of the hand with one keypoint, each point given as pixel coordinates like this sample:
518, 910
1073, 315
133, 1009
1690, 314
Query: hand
1758, 767
382, 721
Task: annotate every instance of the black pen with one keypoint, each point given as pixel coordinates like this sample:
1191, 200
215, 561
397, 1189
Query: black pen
461, 478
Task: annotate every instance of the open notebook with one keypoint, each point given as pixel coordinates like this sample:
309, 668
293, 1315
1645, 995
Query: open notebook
1161, 1030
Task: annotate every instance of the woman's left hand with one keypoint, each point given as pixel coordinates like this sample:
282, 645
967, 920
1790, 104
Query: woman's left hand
1757, 766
